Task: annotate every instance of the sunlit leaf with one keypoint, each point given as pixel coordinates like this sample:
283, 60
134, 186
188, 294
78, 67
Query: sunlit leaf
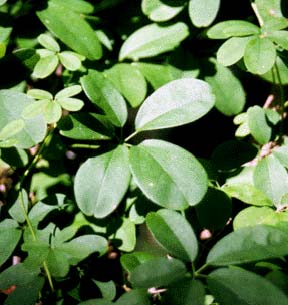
203, 12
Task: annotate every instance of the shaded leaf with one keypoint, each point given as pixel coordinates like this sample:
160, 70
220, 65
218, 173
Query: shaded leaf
131, 260
108, 289
134, 297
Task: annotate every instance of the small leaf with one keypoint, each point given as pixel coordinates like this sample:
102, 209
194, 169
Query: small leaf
134, 297
16, 211
168, 174
280, 38
203, 12
249, 244
281, 153
52, 112
68, 92
101, 182
258, 124
131, 260
271, 178
102, 93
129, 81
157, 272
282, 70
232, 50
158, 11
126, 234
230, 28
275, 24
241, 287
259, 55
45, 66
103, 38
174, 233
152, 40
70, 104
269, 9
48, 42
108, 289
70, 60
176, 103
11, 129
39, 94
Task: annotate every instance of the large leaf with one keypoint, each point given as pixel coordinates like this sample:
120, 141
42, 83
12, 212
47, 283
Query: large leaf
249, 245
174, 233
228, 90
152, 40
271, 178
101, 182
12, 104
179, 102
66, 24
241, 287
129, 81
259, 55
203, 12
134, 297
157, 272
103, 94
158, 10
168, 174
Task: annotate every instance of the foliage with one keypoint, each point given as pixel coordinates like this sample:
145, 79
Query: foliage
143, 152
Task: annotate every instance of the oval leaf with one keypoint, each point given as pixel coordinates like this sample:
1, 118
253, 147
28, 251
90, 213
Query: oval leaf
203, 12
70, 103
241, 287
11, 129
66, 24
179, 102
280, 38
70, 60
152, 40
39, 94
102, 93
249, 245
49, 42
174, 233
168, 174
101, 182
68, 92
45, 66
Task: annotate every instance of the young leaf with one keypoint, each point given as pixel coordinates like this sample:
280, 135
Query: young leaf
177, 103
39, 94
49, 42
265, 9
168, 174
203, 12
259, 55
249, 244
126, 234
230, 28
70, 60
241, 287
258, 124
174, 233
158, 11
271, 178
102, 93
16, 211
70, 103
101, 182
281, 153
152, 40
45, 66
157, 272
68, 92
280, 38
52, 112
275, 24
228, 90
66, 24
129, 81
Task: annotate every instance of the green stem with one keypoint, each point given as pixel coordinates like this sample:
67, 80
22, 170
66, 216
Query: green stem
83, 145
256, 11
197, 272
133, 134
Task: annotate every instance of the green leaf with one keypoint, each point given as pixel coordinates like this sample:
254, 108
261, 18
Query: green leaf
49, 42
275, 24
168, 174
249, 244
68, 92
134, 297
96, 301
35, 109
259, 55
86, 126
11, 129
70, 60
203, 12
12, 104
131, 260
126, 234
279, 279
280, 38
281, 153
174, 233
282, 67
228, 90
230, 28
176, 103
66, 24
78, 6
52, 112
232, 50
10, 235
158, 11
108, 289
185, 292
103, 94
214, 210
269, 10
98, 189
271, 178
241, 287
129, 81
104, 39
45, 66
2, 2
157, 272
258, 124
16, 211
152, 40
70, 103
254, 215
247, 193
39, 94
